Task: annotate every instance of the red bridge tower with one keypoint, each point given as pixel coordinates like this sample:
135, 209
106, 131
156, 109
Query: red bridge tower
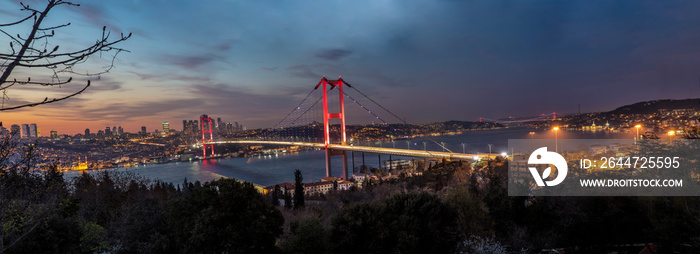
206, 128
326, 122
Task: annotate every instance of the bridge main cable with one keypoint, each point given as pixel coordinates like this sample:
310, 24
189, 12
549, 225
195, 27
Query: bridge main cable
397, 117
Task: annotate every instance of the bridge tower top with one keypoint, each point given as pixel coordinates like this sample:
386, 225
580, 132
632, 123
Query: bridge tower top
327, 86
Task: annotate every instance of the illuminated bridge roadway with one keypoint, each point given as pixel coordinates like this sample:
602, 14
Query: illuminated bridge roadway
366, 149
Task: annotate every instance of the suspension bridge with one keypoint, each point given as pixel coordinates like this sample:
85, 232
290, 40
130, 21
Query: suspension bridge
299, 125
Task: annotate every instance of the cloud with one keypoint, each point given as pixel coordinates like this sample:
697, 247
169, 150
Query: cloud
103, 84
138, 32
302, 71
97, 85
96, 16
225, 45
119, 112
333, 54
235, 103
191, 62
160, 77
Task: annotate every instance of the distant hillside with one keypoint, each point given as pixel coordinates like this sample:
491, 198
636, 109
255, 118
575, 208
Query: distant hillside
648, 107
470, 125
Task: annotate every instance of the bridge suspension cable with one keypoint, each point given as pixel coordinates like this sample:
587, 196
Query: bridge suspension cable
363, 94
307, 110
295, 108
368, 111
385, 109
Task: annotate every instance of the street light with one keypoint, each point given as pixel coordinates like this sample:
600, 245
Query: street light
489, 149
463, 148
637, 136
408, 144
424, 147
532, 140
556, 140
443, 146
670, 134
393, 143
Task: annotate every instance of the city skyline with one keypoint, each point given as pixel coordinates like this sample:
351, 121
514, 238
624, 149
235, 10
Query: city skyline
428, 61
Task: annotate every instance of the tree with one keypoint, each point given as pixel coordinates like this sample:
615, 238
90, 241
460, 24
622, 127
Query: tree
33, 51
306, 236
224, 216
275, 196
298, 190
287, 199
414, 222
32, 203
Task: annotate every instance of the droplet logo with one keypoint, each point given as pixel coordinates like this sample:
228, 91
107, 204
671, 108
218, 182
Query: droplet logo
542, 156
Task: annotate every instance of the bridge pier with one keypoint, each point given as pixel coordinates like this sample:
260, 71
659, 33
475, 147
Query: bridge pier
363, 158
353, 161
329, 154
328, 162
345, 165
391, 166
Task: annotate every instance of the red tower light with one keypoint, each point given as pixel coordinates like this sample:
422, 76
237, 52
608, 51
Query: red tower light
206, 128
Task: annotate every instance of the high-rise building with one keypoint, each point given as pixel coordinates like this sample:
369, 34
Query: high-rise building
87, 133
114, 130
120, 130
108, 131
100, 133
32, 130
166, 127
229, 128
143, 130
54, 134
25, 130
184, 125
15, 130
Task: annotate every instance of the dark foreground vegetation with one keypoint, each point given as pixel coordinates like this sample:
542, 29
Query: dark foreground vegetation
453, 207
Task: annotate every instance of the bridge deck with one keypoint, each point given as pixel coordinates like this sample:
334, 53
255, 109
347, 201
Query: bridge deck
367, 149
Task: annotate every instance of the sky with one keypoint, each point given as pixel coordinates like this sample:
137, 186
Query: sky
425, 60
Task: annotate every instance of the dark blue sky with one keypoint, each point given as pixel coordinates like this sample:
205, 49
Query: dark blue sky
253, 61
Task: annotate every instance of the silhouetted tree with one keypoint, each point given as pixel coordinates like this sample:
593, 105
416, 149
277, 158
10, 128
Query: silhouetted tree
224, 216
32, 51
28, 200
415, 222
275, 195
298, 189
287, 199
306, 236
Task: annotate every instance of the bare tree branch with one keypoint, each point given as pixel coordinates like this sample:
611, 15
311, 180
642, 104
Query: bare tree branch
47, 101
58, 63
20, 21
55, 27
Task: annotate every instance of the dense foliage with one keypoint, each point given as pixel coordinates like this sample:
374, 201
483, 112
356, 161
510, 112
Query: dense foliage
119, 212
